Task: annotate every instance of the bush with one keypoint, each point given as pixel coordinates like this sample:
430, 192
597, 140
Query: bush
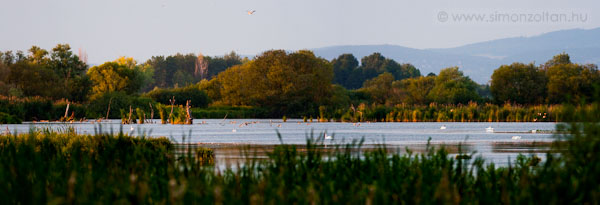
97, 107
9, 119
231, 112
197, 96
37, 108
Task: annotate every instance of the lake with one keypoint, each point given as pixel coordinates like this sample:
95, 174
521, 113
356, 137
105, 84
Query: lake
230, 137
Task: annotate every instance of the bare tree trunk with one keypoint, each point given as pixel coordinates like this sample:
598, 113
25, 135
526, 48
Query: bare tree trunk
129, 119
189, 114
108, 110
67, 110
151, 113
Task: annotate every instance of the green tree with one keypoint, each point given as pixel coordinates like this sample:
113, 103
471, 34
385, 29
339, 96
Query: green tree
452, 87
376, 64
401, 71
372, 65
217, 65
343, 66
295, 83
571, 82
518, 83
182, 95
113, 76
65, 63
339, 98
380, 88
35, 80
413, 90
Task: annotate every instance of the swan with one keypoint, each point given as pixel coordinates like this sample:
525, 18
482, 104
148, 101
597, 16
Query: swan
443, 127
489, 129
516, 137
328, 137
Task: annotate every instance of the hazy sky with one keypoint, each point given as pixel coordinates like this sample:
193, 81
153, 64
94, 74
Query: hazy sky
106, 29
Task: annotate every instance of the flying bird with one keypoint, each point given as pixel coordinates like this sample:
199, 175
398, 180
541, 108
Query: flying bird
251, 12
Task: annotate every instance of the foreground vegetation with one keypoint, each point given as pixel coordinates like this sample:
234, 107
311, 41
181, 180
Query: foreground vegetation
65, 167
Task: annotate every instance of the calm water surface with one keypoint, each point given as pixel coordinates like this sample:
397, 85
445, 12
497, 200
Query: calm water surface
222, 135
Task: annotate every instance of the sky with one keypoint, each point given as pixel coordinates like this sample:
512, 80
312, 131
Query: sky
107, 29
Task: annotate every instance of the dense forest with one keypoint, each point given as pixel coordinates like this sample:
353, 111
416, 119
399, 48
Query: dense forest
39, 84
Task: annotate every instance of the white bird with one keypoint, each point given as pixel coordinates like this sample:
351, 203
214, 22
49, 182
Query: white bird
516, 137
489, 129
251, 12
131, 128
328, 137
443, 127
234, 130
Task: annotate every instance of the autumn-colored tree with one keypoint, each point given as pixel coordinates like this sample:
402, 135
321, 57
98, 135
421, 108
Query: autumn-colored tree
121, 75
295, 83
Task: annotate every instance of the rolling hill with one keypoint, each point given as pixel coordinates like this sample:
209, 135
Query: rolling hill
479, 60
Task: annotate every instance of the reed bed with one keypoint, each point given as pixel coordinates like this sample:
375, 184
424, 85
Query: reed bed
472, 112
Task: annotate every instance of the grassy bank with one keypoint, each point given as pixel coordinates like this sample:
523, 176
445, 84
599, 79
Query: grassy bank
64, 167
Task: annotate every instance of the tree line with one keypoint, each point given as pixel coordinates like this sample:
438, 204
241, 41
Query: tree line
283, 83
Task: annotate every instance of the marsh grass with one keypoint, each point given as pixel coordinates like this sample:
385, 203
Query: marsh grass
65, 167
472, 112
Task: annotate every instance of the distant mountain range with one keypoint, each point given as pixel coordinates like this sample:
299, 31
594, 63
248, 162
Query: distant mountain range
479, 60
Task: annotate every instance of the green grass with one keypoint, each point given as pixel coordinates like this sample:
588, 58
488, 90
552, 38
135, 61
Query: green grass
63, 167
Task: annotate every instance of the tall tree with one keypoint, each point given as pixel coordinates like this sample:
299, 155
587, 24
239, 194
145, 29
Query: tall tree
518, 83
380, 88
343, 67
571, 82
452, 87
292, 83
413, 90
112, 76
66, 64
374, 65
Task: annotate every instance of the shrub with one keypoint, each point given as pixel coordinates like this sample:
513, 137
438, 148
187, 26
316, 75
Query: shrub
9, 119
197, 96
118, 100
